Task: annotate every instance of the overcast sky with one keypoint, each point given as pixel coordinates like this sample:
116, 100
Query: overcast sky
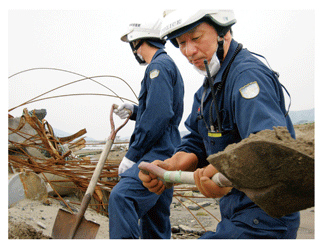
88, 42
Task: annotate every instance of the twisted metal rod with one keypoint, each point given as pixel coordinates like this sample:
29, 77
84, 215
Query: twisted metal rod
68, 95
85, 78
72, 72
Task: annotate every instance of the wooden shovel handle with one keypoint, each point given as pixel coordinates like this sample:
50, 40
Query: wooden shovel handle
113, 130
101, 162
105, 152
96, 174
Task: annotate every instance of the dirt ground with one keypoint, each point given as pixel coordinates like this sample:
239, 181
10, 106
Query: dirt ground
29, 219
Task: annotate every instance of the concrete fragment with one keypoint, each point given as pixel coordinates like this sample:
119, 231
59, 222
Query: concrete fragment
186, 228
41, 225
192, 206
26, 185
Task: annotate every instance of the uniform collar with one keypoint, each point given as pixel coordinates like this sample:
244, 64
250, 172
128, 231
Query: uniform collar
160, 51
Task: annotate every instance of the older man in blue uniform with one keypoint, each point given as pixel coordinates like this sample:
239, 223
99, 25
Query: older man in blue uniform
155, 136
240, 95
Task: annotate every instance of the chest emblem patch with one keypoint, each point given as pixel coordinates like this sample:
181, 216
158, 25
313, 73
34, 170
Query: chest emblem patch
154, 73
250, 90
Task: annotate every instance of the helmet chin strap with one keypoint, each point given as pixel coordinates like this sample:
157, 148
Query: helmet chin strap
220, 51
135, 52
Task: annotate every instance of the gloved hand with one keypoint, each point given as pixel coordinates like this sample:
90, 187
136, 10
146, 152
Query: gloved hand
123, 110
124, 165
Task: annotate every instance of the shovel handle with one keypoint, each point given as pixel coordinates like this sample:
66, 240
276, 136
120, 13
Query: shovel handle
114, 131
96, 174
105, 152
89, 192
180, 176
101, 162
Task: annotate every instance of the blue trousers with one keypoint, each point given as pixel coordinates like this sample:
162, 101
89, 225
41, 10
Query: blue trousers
242, 219
130, 202
228, 229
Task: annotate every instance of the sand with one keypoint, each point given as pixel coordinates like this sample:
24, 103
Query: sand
30, 219
272, 169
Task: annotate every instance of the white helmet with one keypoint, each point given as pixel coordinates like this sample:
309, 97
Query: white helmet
178, 22
148, 31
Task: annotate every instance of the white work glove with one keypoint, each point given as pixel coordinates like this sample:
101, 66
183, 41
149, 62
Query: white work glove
123, 110
124, 165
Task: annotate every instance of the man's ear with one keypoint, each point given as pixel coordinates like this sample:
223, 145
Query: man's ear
228, 37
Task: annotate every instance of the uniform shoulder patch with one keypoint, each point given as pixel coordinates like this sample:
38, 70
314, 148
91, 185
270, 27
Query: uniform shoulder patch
250, 90
154, 73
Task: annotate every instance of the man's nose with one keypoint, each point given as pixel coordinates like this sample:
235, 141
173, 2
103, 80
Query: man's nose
190, 49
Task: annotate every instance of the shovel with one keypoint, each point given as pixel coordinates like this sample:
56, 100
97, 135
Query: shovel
75, 226
279, 179
182, 177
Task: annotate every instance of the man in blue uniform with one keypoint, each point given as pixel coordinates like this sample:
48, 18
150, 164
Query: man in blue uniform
155, 136
240, 97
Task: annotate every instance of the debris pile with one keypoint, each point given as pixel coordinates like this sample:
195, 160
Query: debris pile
34, 147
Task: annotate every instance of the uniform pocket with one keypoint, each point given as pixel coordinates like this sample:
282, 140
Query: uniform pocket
258, 219
217, 144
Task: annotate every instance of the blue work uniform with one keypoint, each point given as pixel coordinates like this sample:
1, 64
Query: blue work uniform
250, 101
155, 136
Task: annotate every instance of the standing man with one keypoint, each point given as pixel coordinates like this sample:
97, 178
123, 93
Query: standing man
155, 136
241, 96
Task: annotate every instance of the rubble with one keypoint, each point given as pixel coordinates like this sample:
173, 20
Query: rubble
34, 147
26, 185
29, 153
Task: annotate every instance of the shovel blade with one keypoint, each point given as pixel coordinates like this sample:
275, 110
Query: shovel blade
64, 227
277, 178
